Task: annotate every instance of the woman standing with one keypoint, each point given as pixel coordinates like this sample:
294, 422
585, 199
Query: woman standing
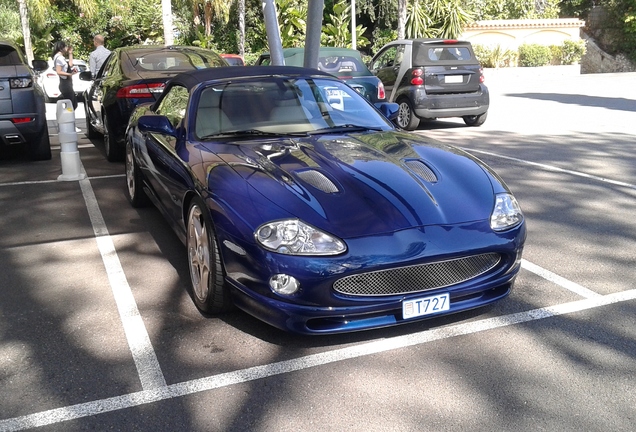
65, 71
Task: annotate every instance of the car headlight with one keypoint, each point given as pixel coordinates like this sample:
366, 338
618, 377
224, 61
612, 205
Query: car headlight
506, 213
294, 237
20, 82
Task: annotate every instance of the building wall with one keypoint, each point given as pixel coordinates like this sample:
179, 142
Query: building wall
510, 34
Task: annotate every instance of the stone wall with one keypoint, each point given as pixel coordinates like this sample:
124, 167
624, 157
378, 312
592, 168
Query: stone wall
596, 60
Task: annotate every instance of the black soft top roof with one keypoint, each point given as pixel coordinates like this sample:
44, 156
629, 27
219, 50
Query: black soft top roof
192, 78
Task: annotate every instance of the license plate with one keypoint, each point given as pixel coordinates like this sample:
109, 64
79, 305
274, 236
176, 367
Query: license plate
425, 306
453, 79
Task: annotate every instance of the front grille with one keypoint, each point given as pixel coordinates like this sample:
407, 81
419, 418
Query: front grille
423, 277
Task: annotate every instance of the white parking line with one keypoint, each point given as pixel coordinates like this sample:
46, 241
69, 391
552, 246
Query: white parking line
258, 372
553, 168
552, 277
141, 348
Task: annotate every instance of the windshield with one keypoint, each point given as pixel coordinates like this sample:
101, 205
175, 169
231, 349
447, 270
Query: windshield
284, 106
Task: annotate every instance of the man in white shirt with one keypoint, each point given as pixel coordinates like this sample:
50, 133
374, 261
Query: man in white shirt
98, 56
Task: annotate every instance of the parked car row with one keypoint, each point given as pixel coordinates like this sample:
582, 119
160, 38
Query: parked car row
297, 197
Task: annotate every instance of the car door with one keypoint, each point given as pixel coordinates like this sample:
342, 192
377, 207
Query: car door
95, 96
168, 174
386, 66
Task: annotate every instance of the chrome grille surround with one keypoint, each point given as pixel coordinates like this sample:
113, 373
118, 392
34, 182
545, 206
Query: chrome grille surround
318, 180
417, 278
421, 170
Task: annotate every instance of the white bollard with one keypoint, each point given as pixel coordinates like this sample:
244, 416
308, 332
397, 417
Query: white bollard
69, 154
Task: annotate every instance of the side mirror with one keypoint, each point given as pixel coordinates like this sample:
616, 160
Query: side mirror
85, 76
40, 65
388, 109
157, 124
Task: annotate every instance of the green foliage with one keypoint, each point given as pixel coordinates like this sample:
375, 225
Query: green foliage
381, 37
292, 21
418, 21
495, 57
572, 51
621, 15
10, 27
531, 55
336, 31
513, 9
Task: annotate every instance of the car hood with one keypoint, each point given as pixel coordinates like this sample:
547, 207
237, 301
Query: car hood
363, 184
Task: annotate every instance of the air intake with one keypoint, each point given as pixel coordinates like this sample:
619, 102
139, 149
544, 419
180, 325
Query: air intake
421, 170
318, 180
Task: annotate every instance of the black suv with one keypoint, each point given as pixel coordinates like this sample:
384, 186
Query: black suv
22, 107
432, 78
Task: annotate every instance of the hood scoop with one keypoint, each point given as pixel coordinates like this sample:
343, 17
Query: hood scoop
317, 180
421, 170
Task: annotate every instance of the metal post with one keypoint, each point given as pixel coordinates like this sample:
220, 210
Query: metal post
273, 33
314, 29
353, 25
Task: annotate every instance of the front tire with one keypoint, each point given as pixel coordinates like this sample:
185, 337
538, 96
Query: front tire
204, 260
477, 120
134, 181
406, 118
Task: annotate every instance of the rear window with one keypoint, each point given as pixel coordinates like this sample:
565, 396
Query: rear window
9, 56
173, 60
342, 66
425, 54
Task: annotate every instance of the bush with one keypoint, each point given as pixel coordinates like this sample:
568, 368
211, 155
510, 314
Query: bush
494, 57
572, 51
531, 55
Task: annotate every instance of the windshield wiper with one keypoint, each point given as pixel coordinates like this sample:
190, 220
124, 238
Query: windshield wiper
254, 132
345, 128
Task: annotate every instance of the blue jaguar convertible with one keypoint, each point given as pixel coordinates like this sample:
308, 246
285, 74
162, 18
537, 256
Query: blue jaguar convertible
300, 203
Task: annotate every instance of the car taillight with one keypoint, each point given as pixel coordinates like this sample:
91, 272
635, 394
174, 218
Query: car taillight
19, 120
140, 90
20, 82
450, 41
416, 77
381, 93
51, 75
482, 78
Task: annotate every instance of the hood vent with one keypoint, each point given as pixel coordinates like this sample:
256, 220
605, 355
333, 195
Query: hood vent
422, 170
318, 180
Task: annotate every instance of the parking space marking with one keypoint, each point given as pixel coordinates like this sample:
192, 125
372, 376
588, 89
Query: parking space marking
132, 400
143, 353
555, 278
555, 169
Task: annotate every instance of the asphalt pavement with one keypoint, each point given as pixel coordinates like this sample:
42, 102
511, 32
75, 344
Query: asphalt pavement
97, 330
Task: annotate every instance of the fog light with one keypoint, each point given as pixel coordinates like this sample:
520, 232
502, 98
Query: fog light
284, 284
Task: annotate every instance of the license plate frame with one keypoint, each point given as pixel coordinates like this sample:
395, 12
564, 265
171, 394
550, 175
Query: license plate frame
423, 306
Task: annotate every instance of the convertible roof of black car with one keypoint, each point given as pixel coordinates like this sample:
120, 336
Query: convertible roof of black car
192, 78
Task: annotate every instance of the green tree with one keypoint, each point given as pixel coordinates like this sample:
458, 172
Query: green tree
336, 31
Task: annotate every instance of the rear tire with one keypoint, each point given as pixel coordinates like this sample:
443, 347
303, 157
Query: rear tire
209, 292
113, 152
406, 118
477, 120
40, 146
134, 181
